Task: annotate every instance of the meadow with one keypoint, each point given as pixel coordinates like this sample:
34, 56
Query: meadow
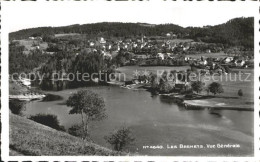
30, 138
206, 55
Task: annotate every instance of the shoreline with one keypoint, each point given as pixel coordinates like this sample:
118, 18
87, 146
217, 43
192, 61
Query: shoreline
26, 97
189, 104
195, 104
192, 104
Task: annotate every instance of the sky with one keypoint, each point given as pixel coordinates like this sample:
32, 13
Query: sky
22, 15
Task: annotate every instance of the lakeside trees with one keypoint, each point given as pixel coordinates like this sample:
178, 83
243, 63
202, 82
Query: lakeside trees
89, 105
215, 88
197, 86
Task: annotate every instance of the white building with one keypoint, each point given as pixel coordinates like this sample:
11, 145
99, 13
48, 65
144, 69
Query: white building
228, 59
25, 82
160, 55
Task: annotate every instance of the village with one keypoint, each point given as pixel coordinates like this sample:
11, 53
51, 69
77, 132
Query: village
181, 57
165, 50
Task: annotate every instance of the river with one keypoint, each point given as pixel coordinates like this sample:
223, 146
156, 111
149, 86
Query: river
156, 121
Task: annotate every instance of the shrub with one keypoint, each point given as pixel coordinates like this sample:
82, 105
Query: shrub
240, 92
120, 138
77, 130
17, 107
48, 120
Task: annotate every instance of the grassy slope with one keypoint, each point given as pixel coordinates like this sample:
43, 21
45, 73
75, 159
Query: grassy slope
30, 138
28, 43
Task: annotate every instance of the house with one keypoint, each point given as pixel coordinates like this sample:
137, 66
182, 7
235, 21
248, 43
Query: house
240, 63
26, 82
102, 40
107, 55
208, 51
91, 44
132, 61
35, 48
109, 46
160, 55
228, 59
168, 34
203, 62
187, 58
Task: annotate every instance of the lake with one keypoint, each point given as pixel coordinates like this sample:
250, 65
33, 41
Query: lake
156, 121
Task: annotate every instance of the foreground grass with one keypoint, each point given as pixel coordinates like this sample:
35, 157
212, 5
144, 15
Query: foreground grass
30, 138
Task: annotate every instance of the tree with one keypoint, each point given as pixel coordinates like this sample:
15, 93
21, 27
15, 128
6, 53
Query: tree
215, 88
120, 138
90, 105
164, 86
240, 92
197, 86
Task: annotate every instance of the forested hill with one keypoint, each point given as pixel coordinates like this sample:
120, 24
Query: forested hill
236, 32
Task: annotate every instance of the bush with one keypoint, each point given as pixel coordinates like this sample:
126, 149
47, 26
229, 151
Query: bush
48, 120
240, 92
77, 130
215, 88
17, 107
120, 138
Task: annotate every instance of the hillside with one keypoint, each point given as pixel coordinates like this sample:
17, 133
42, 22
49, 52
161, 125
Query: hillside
236, 32
30, 138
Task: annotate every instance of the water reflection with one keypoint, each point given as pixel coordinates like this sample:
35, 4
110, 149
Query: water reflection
51, 97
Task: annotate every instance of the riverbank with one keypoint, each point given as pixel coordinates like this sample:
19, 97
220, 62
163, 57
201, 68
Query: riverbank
203, 104
30, 138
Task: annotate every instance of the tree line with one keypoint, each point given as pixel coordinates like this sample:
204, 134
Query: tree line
236, 32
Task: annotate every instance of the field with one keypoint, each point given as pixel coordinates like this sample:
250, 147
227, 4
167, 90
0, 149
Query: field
231, 84
30, 138
213, 55
28, 44
175, 40
68, 34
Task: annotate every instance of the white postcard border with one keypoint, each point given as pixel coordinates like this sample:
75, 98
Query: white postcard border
5, 93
